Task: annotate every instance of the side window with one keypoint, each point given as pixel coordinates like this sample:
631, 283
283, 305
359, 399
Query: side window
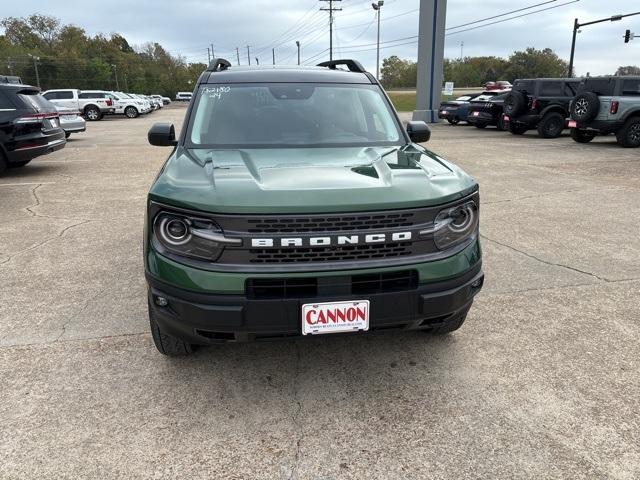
631, 88
51, 95
5, 103
551, 89
64, 96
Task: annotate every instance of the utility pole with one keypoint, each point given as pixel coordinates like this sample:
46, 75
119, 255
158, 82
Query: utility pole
273, 53
298, 45
378, 8
238, 55
115, 73
331, 10
213, 55
35, 67
461, 50
577, 25
208, 55
257, 61
248, 55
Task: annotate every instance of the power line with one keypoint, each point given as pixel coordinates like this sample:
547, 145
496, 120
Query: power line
501, 15
513, 18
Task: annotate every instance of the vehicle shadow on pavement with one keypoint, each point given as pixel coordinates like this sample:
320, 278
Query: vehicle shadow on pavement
363, 363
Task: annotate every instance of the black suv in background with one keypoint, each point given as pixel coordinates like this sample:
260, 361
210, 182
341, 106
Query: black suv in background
29, 126
606, 105
540, 103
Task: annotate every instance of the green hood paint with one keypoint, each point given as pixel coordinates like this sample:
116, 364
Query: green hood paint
308, 180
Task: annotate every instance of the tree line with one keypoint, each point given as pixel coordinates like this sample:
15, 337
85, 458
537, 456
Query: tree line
476, 71
66, 57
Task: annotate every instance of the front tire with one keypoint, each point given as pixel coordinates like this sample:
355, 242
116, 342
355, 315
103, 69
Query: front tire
3, 163
481, 125
629, 135
131, 112
92, 113
551, 125
67, 134
453, 121
167, 344
582, 136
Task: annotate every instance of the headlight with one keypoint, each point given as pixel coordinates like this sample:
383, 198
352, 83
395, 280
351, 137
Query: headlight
455, 225
191, 236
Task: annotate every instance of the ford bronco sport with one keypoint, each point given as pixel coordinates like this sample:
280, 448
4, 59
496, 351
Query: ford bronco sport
607, 105
294, 203
541, 103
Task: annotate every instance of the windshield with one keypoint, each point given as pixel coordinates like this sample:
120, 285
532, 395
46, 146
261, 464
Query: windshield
292, 114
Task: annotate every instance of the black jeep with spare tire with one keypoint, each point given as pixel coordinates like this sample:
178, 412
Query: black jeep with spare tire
606, 105
541, 103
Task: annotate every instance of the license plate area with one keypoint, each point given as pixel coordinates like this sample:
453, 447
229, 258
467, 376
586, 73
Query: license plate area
335, 317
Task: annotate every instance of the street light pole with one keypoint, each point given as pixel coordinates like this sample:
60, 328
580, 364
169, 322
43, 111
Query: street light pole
577, 25
378, 8
35, 66
115, 73
298, 45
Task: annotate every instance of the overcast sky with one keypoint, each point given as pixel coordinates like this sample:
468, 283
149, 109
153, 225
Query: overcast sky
187, 27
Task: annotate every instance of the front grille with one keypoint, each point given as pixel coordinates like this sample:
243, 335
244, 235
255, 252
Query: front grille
365, 284
334, 254
330, 224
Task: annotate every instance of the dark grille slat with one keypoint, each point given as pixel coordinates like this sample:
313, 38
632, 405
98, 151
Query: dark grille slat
366, 284
331, 224
317, 254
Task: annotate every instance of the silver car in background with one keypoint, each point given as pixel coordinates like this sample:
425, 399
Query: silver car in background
71, 121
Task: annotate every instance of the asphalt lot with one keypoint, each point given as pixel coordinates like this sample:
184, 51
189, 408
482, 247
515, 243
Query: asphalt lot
543, 381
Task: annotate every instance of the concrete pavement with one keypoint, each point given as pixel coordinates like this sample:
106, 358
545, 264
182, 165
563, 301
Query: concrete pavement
542, 381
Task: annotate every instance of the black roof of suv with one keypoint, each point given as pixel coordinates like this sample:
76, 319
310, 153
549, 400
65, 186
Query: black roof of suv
220, 72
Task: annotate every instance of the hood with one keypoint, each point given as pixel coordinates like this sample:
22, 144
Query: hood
292, 180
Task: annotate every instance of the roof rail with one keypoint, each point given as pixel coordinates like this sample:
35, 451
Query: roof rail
218, 65
352, 65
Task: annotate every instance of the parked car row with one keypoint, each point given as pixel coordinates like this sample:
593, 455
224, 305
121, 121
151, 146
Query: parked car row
467, 108
589, 107
95, 104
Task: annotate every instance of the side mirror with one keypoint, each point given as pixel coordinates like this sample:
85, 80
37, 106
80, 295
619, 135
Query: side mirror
162, 135
418, 131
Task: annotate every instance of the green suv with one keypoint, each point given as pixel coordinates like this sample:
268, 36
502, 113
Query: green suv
606, 105
294, 203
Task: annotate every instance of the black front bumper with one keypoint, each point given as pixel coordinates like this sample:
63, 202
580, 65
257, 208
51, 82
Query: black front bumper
205, 318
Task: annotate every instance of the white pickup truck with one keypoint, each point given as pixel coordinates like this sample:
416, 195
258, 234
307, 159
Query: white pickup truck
92, 108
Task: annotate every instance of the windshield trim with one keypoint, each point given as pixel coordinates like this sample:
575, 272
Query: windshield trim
185, 134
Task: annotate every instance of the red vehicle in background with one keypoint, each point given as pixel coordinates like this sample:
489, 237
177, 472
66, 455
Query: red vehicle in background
499, 85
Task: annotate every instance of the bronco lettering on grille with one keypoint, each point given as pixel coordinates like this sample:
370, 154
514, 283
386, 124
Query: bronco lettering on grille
331, 240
